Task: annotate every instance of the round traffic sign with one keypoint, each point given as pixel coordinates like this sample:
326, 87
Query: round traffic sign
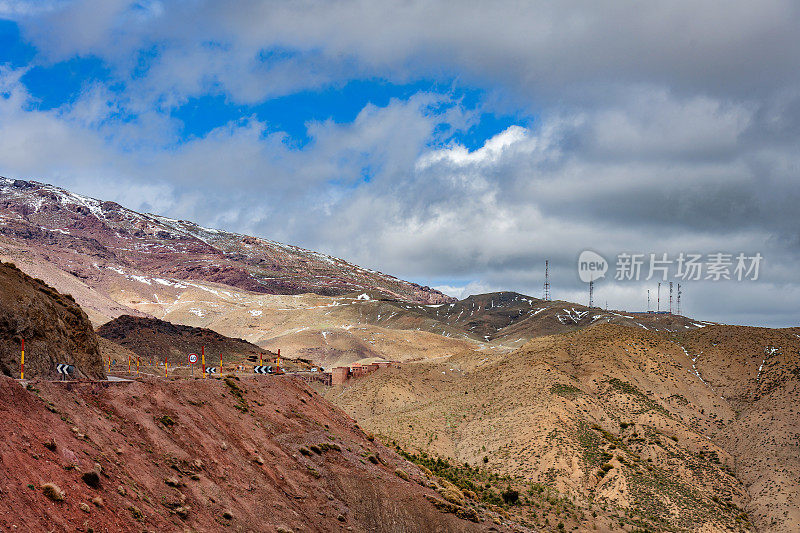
192, 358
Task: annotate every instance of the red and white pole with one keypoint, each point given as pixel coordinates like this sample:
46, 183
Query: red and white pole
22, 363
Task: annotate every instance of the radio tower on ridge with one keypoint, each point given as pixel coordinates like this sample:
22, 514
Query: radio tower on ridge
546, 292
670, 297
591, 293
678, 301
658, 298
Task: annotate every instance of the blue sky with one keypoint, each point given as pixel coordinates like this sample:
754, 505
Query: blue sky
52, 85
457, 145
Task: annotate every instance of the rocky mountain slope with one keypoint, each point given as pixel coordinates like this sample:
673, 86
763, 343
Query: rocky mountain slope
630, 424
204, 455
54, 327
106, 245
757, 372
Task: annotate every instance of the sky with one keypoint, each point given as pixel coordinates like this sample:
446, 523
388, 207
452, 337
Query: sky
455, 144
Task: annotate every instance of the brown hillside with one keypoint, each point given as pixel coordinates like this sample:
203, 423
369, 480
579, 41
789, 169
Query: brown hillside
152, 339
757, 371
613, 417
55, 329
206, 455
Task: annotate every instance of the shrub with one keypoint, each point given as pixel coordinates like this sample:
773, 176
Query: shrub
136, 512
510, 496
53, 491
166, 420
401, 474
92, 479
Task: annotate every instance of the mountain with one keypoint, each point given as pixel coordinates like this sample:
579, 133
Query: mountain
54, 328
504, 316
115, 262
108, 247
650, 430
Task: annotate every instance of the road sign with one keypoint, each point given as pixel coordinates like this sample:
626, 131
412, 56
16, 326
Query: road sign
259, 369
63, 368
212, 370
192, 358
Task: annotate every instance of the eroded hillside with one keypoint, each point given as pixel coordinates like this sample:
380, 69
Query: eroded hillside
204, 455
621, 418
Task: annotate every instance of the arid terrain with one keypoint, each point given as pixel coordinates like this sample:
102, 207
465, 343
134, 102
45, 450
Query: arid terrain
692, 431
257, 453
502, 410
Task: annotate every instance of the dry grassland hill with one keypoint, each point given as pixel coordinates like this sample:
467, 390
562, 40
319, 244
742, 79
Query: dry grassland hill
625, 420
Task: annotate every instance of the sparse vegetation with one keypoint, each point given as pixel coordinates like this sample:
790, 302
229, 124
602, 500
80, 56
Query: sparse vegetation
237, 393
166, 420
53, 491
566, 391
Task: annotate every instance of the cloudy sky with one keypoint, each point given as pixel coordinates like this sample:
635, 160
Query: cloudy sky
456, 144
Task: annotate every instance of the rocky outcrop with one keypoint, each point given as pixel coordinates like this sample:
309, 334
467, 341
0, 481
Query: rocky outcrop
152, 339
55, 329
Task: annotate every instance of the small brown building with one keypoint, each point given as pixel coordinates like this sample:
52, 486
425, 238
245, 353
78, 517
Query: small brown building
339, 375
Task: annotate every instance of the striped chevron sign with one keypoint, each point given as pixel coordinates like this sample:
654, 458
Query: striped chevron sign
262, 369
212, 370
63, 368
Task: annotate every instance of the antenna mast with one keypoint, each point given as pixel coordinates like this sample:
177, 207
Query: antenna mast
591, 293
670, 297
658, 298
648, 300
546, 293
678, 302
